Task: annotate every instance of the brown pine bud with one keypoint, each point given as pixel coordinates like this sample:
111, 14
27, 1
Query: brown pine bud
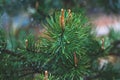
69, 13
62, 22
26, 43
62, 12
75, 59
46, 75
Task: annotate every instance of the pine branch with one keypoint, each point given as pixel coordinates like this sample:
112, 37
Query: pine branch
6, 51
23, 75
70, 33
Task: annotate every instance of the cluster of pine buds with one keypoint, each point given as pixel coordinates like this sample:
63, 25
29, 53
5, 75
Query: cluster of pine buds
62, 18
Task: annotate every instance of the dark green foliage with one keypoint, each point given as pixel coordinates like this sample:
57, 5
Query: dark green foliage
19, 63
2, 40
109, 73
114, 40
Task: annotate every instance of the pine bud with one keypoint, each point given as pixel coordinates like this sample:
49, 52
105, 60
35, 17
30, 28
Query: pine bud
26, 43
62, 22
62, 12
46, 75
75, 59
69, 13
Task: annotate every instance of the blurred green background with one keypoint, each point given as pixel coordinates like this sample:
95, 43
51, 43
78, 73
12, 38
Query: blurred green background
45, 7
